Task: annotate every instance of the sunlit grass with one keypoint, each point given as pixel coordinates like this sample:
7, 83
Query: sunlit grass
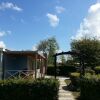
76, 93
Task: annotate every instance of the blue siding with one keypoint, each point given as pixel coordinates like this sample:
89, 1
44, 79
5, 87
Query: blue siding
1, 54
15, 62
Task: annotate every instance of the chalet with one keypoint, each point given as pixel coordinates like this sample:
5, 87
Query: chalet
22, 63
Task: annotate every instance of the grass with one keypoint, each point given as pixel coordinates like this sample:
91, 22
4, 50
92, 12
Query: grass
76, 93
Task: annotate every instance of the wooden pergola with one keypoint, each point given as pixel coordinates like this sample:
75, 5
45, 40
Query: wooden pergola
74, 53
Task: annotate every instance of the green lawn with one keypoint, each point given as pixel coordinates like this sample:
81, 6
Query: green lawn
76, 94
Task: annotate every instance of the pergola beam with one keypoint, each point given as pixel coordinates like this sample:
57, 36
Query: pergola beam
63, 53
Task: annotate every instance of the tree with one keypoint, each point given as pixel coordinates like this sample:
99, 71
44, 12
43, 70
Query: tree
42, 46
63, 60
89, 51
49, 46
70, 61
52, 48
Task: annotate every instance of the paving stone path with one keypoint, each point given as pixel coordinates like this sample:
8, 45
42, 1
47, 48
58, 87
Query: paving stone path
64, 94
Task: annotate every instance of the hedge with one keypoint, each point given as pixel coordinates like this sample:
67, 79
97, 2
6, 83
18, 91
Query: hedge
50, 70
62, 70
22, 89
75, 80
92, 72
90, 87
97, 69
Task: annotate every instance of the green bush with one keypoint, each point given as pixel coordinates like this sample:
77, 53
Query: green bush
21, 89
97, 70
50, 70
75, 79
63, 70
66, 70
90, 71
75, 74
90, 87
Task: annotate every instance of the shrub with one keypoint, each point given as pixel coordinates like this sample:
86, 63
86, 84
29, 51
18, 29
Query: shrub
50, 70
63, 70
90, 87
75, 79
90, 71
21, 89
66, 70
97, 70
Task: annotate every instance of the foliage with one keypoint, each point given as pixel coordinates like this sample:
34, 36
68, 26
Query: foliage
90, 87
92, 72
63, 70
97, 69
51, 70
89, 51
75, 74
62, 59
49, 46
75, 79
52, 48
66, 70
42, 46
23, 89
70, 60
71, 63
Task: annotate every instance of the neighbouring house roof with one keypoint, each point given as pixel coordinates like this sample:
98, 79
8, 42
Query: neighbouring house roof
30, 53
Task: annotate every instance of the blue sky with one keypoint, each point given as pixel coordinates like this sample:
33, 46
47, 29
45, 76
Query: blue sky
23, 23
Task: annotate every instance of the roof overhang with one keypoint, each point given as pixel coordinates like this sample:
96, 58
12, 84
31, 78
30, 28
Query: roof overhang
27, 53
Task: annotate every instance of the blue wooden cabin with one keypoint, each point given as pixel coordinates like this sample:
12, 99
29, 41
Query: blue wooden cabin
24, 63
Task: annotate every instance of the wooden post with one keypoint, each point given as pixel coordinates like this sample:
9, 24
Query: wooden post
41, 67
55, 58
1, 64
35, 65
45, 63
45, 66
3, 68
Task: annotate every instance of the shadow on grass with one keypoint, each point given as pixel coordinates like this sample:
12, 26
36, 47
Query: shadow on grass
69, 87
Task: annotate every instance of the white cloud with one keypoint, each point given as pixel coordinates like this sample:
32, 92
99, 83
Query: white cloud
94, 8
90, 27
34, 48
59, 9
9, 5
2, 44
53, 19
3, 33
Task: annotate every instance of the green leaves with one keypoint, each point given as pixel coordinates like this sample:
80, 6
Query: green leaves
25, 89
48, 46
89, 50
90, 87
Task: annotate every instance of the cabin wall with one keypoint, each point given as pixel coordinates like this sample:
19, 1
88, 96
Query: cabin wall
30, 63
1, 55
15, 62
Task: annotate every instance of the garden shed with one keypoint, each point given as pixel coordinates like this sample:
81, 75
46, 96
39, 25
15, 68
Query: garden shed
23, 63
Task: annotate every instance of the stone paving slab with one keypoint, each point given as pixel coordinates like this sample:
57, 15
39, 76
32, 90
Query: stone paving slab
64, 94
